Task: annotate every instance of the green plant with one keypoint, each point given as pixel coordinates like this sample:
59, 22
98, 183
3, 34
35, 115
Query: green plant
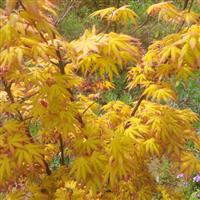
76, 22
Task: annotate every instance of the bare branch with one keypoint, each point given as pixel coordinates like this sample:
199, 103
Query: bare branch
88, 108
66, 12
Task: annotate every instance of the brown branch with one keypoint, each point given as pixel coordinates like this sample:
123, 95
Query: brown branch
192, 1
115, 24
185, 4
48, 171
142, 25
66, 12
62, 160
88, 108
61, 64
181, 26
7, 88
41, 35
118, 4
105, 29
21, 4
142, 97
31, 117
26, 98
137, 105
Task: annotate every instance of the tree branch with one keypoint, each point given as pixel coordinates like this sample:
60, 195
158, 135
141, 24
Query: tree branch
26, 98
192, 1
142, 25
185, 4
137, 105
7, 88
118, 4
184, 7
88, 108
62, 160
67, 10
142, 97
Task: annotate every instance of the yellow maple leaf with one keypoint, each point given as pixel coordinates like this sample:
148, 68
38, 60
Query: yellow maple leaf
159, 92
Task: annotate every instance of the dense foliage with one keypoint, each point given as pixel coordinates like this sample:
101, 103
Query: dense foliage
100, 116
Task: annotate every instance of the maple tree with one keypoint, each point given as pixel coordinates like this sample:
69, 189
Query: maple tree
108, 147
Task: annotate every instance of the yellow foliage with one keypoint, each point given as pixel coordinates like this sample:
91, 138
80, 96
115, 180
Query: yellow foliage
122, 15
168, 12
101, 150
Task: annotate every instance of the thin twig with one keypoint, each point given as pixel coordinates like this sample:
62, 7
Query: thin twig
62, 160
118, 3
137, 105
192, 1
67, 10
142, 25
142, 97
88, 108
185, 4
28, 97
184, 7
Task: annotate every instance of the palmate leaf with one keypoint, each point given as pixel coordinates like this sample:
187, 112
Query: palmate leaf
29, 153
136, 77
159, 92
110, 176
151, 146
168, 12
81, 168
61, 194
16, 141
190, 17
184, 73
107, 54
89, 42
122, 15
176, 54
11, 126
136, 130
99, 64
97, 161
190, 164
104, 13
16, 195
120, 147
86, 145
35, 8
